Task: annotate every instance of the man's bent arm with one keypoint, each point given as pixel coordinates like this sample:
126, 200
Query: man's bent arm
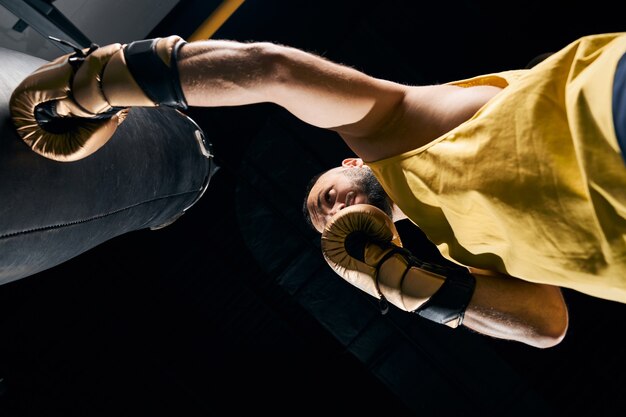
501, 306
362, 245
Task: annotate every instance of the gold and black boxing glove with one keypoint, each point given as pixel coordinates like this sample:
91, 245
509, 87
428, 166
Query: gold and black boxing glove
362, 245
70, 107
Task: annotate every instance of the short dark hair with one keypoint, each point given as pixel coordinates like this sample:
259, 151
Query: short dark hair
307, 191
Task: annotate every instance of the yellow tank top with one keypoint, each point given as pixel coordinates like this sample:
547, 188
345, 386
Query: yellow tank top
533, 185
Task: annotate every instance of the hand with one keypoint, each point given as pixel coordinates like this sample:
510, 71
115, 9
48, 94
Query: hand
69, 108
362, 245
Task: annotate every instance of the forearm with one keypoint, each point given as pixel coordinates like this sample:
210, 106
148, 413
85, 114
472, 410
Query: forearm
501, 306
362, 245
508, 308
317, 91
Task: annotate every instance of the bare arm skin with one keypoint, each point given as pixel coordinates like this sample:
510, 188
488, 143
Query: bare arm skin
319, 92
502, 306
509, 308
376, 118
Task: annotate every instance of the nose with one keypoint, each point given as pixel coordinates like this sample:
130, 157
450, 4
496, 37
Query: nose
337, 207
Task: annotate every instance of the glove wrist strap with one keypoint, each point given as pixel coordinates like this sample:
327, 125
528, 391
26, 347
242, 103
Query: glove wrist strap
159, 81
451, 299
449, 302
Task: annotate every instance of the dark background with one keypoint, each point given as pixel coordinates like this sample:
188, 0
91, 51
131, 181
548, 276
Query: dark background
232, 309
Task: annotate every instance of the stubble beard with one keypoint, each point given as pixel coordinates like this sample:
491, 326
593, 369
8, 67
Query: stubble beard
364, 179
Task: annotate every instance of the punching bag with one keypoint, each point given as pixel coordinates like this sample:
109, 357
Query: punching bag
156, 166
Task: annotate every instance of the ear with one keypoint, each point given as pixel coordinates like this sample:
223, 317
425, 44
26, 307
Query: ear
352, 162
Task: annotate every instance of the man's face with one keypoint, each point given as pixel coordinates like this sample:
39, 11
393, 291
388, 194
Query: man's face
342, 187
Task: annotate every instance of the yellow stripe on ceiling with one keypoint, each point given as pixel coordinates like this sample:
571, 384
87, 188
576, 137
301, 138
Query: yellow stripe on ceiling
215, 20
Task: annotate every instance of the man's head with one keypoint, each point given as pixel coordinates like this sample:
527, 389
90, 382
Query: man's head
351, 183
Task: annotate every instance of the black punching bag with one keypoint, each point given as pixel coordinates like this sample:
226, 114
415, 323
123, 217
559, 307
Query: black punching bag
156, 166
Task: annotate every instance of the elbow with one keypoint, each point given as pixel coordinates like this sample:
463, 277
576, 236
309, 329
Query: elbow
549, 339
553, 330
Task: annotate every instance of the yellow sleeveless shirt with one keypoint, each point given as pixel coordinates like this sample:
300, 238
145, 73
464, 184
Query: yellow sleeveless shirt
533, 185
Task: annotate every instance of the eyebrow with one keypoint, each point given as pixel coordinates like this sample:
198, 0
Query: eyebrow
319, 200
318, 206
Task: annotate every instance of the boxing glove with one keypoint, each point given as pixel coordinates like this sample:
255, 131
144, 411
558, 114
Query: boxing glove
70, 107
361, 244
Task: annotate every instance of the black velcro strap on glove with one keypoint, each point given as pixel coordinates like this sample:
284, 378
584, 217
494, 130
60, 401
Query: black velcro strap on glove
452, 298
450, 301
447, 304
160, 82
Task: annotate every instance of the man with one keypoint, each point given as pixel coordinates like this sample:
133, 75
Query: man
517, 174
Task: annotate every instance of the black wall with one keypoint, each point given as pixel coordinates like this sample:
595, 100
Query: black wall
232, 309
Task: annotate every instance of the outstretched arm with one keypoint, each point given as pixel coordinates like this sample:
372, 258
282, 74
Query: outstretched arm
319, 92
375, 117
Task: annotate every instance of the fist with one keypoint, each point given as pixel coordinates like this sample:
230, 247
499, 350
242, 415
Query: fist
49, 119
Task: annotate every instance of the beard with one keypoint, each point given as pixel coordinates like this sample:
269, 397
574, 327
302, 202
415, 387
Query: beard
365, 179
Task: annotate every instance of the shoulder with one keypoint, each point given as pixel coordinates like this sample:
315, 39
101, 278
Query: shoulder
424, 114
